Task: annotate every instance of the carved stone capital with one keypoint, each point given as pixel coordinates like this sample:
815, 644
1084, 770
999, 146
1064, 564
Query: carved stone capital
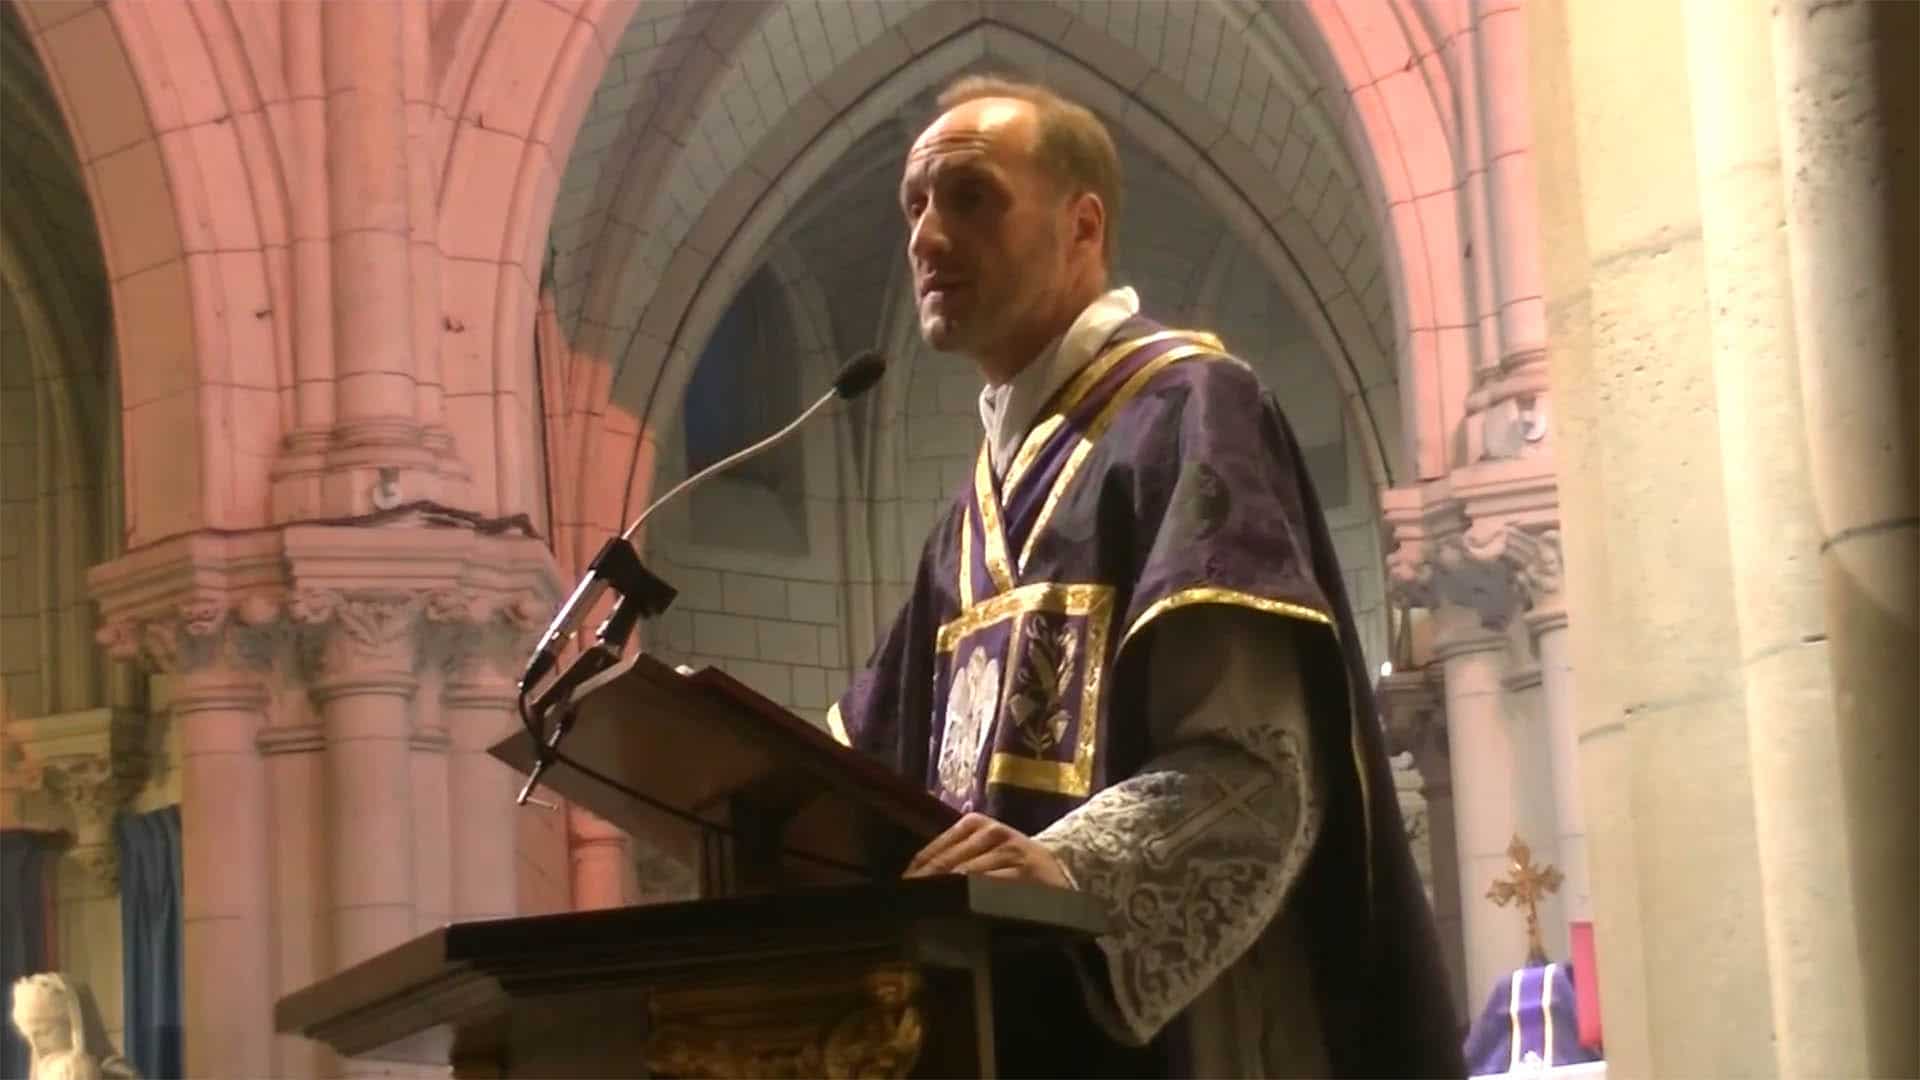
1484, 539
478, 636
349, 638
201, 632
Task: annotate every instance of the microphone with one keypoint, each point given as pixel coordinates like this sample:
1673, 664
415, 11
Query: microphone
642, 594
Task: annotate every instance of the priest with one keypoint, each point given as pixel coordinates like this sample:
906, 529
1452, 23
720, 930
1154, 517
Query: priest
1128, 658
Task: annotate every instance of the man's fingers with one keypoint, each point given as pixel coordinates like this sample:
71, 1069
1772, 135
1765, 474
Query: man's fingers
955, 833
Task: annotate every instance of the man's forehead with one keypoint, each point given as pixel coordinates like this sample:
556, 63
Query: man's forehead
980, 126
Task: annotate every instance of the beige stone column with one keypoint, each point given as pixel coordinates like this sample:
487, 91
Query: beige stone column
603, 870
376, 415
478, 705
363, 686
1547, 625
294, 750
1473, 659
226, 904
1849, 113
1773, 538
1663, 733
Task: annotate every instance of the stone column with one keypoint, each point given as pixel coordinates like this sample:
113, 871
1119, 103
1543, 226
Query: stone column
294, 750
377, 444
226, 904
603, 870
361, 651
1773, 538
478, 706
1849, 108
1480, 750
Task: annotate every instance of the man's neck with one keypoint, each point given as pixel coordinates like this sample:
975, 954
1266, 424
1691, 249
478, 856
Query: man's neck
1006, 363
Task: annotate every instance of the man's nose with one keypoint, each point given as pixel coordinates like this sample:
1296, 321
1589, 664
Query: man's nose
929, 237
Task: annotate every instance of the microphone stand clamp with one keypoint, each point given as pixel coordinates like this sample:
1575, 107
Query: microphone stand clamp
548, 714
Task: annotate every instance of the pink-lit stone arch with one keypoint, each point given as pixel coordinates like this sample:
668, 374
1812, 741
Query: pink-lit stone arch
144, 89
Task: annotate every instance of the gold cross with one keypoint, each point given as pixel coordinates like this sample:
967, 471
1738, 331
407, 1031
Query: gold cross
1526, 884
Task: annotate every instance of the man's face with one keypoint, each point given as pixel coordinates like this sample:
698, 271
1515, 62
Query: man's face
987, 233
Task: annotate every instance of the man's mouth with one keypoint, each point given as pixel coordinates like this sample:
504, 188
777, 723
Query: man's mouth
942, 286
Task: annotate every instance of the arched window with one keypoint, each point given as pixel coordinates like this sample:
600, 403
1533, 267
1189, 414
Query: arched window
745, 386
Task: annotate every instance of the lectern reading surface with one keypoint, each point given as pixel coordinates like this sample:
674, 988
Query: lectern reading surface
784, 804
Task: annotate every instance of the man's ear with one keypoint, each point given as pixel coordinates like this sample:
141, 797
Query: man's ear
1089, 219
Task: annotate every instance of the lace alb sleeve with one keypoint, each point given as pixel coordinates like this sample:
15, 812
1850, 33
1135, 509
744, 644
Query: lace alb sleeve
1194, 855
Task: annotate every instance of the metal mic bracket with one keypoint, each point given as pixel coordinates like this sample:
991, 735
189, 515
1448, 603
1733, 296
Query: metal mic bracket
641, 595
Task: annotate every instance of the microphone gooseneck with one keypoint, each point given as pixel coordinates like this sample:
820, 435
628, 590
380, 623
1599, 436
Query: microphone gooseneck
618, 566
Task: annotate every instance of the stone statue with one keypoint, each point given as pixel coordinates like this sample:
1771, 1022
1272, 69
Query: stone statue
64, 1032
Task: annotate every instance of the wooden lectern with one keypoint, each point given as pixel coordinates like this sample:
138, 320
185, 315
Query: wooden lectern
807, 956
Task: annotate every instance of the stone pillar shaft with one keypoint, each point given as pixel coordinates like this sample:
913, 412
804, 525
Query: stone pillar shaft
1481, 756
603, 872
479, 712
368, 209
370, 804
227, 942
1772, 538
1849, 108
1549, 632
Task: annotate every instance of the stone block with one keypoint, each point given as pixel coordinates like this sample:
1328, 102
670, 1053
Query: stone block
813, 602
724, 635
789, 642
809, 688
832, 653
773, 680
751, 594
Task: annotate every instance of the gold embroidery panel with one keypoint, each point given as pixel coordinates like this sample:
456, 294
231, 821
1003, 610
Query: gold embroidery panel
1094, 604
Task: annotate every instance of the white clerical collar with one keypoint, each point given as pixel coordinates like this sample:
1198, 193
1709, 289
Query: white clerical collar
1008, 410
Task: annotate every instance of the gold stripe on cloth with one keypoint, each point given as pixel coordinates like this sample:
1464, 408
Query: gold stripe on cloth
1041, 596
1134, 384
998, 564
1030, 449
966, 560
1214, 594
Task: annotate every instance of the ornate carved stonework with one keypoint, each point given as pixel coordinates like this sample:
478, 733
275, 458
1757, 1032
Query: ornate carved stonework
872, 1028
202, 632
479, 637
94, 788
1409, 788
1490, 543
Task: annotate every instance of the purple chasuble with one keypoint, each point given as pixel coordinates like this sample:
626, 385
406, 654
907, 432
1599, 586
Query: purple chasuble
1162, 475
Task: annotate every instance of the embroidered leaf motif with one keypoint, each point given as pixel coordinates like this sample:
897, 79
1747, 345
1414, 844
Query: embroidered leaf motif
1036, 701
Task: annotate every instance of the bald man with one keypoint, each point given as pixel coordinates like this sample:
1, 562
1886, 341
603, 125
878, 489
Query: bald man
1128, 659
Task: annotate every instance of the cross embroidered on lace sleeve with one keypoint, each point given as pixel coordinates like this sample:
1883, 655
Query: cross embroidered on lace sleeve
1194, 854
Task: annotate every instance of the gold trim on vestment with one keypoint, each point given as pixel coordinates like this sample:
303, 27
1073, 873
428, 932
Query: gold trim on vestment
1214, 594
1041, 596
1030, 449
1094, 603
1134, 384
836, 726
995, 538
966, 560
1077, 388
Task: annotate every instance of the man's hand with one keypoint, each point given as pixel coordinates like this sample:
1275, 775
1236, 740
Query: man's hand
977, 844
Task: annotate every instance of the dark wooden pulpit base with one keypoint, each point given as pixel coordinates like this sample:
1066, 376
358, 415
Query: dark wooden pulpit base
883, 980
